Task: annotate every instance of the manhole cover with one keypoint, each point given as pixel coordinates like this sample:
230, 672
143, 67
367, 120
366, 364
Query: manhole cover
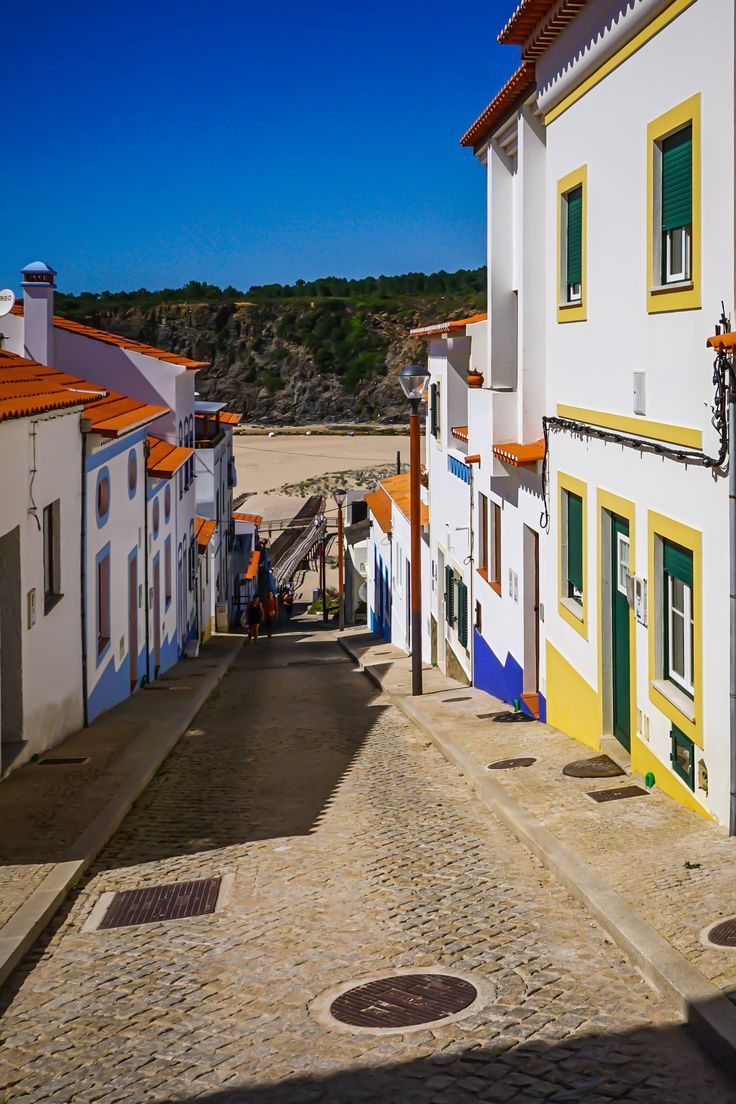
402, 1001
162, 902
600, 766
722, 934
64, 760
510, 764
451, 701
618, 794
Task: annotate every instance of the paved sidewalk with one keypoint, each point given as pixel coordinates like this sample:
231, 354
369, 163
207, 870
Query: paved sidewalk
652, 872
55, 819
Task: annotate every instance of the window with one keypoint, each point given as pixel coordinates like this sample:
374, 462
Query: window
682, 757
434, 410
462, 613
678, 616
571, 246
167, 501
676, 159
574, 246
673, 209
103, 600
51, 555
622, 563
495, 579
102, 496
574, 533
167, 572
132, 473
479, 617
449, 596
156, 513
483, 532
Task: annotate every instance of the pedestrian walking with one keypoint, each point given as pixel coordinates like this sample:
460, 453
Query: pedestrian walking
272, 612
288, 604
254, 616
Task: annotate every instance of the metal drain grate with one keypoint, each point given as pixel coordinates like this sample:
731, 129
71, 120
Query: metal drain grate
163, 902
63, 760
722, 934
511, 764
403, 1001
600, 766
451, 701
618, 794
507, 717
171, 689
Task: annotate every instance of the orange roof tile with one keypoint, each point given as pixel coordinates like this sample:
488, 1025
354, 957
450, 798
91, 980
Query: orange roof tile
527, 18
230, 417
253, 565
517, 455
379, 505
448, 327
113, 415
165, 459
398, 487
460, 433
203, 530
512, 93
255, 518
122, 342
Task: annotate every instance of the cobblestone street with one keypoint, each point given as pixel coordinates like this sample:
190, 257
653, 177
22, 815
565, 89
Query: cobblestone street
355, 848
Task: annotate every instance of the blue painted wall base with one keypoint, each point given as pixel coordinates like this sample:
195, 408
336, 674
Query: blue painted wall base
502, 680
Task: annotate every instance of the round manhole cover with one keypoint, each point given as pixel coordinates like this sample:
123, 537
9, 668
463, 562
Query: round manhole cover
511, 764
722, 934
599, 766
402, 1001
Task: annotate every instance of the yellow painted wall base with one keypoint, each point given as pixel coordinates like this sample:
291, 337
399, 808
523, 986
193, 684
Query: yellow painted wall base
643, 760
573, 706
207, 631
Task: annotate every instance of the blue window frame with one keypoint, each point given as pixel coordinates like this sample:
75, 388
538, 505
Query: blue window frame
102, 496
132, 473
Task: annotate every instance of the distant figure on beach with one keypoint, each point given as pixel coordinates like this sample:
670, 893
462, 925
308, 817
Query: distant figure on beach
272, 612
253, 618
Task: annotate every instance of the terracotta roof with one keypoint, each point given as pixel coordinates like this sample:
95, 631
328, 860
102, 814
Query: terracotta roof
203, 530
379, 505
460, 432
255, 518
253, 565
448, 327
527, 18
165, 459
399, 490
121, 342
722, 342
27, 387
513, 92
230, 417
518, 455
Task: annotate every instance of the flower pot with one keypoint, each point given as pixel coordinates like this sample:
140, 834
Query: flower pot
475, 379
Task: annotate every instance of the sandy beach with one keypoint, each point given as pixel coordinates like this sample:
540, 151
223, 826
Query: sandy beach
271, 469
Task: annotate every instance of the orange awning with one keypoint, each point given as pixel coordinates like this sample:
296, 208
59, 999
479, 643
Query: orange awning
256, 519
203, 531
230, 417
447, 327
379, 505
517, 455
253, 565
460, 433
399, 489
165, 459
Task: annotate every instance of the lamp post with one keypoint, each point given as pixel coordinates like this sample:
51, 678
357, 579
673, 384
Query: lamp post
339, 495
413, 380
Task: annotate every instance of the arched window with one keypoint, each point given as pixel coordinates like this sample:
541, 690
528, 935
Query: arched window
167, 502
156, 511
132, 473
102, 496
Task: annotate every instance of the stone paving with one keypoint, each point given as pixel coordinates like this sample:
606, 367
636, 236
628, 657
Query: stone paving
673, 866
355, 849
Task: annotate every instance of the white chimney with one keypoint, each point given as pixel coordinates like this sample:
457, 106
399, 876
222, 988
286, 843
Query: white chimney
38, 311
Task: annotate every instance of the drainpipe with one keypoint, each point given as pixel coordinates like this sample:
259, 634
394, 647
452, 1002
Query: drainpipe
146, 451
471, 558
83, 580
732, 586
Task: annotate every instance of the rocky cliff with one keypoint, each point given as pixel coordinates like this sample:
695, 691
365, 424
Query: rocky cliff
293, 361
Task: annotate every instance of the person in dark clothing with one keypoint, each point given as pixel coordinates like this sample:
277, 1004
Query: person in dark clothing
254, 617
288, 603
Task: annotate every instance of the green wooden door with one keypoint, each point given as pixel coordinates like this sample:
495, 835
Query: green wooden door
620, 619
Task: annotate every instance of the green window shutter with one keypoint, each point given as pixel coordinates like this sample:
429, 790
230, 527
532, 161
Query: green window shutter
462, 614
433, 409
677, 180
678, 562
449, 596
575, 541
575, 236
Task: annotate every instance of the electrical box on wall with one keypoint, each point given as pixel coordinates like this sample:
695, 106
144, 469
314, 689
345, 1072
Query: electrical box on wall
636, 596
640, 394
31, 607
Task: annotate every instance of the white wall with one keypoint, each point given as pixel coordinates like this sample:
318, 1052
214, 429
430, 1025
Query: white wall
52, 647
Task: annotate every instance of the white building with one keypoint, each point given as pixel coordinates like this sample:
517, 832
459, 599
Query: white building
215, 480
610, 161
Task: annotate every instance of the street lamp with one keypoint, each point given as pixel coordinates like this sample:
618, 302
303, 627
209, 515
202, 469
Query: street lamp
339, 495
413, 380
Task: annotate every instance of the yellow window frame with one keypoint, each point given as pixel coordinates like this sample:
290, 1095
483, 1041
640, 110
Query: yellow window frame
579, 622
665, 528
687, 295
577, 311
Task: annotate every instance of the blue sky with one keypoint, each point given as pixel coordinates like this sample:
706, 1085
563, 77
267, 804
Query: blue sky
146, 144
